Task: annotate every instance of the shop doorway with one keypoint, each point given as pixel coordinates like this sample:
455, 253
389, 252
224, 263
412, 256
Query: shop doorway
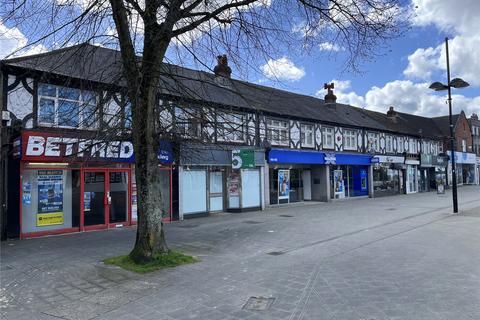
307, 184
105, 200
216, 191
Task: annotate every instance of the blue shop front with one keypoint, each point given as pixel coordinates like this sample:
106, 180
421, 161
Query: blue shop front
309, 175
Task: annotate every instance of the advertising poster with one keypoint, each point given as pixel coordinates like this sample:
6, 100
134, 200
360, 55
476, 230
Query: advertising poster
283, 184
87, 200
234, 184
50, 197
27, 193
134, 205
338, 185
363, 179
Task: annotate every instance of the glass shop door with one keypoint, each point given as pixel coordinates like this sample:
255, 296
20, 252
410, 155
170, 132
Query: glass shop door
105, 199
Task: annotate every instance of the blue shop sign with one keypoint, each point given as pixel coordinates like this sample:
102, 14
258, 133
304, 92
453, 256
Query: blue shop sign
295, 156
311, 157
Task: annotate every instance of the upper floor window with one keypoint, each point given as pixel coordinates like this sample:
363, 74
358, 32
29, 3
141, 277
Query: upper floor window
412, 145
349, 139
230, 127
389, 144
464, 145
425, 147
373, 141
400, 145
188, 122
328, 137
440, 148
307, 135
277, 132
127, 111
66, 107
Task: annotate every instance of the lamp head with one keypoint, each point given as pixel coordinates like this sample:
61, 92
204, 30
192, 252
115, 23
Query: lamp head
458, 83
438, 86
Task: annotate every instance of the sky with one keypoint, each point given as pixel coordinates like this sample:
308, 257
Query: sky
399, 77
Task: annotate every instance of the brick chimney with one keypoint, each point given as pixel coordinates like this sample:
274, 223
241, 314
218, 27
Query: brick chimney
392, 114
222, 69
330, 98
474, 116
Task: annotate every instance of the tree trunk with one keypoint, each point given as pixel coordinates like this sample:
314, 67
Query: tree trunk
150, 238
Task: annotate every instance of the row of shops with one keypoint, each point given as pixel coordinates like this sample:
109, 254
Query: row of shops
65, 188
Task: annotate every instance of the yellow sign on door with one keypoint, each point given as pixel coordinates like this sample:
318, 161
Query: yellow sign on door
48, 219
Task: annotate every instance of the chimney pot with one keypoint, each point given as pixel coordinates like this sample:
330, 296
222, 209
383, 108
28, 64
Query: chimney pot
222, 69
391, 112
329, 98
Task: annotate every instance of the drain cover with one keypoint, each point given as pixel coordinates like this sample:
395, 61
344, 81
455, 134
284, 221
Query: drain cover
252, 222
285, 215
258, 303
275, 253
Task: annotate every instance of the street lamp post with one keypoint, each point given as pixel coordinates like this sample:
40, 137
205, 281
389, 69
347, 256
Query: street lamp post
438, 86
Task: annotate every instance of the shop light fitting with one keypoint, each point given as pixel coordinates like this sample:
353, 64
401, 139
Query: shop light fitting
47, 164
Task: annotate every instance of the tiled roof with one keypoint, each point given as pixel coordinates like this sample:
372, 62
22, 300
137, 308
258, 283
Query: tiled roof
103, 65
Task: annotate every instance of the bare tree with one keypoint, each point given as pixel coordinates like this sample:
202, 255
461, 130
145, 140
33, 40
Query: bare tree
156, 30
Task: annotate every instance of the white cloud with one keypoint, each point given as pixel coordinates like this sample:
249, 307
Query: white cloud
459, 18
282, 69
422, 63
11, 40
13, 43
329, 46
406, 96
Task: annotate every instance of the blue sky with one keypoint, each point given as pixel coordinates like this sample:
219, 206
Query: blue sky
398, 78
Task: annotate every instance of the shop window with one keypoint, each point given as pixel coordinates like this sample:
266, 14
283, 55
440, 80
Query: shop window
251, 188
389, 144
307, 135
50, 200
373, 142
385, 179
66, 107
188, 122
194, 191
327, 136
231, 127
277, 132
350, 140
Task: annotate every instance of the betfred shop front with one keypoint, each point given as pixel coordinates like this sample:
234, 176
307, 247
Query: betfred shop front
71, 184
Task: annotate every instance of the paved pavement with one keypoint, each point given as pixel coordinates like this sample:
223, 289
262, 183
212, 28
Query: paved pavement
400, 257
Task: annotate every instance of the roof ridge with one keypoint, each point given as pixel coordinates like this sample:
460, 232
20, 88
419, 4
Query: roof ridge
48, 53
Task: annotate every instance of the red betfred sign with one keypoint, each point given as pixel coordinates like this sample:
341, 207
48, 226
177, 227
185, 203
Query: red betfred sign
42, 146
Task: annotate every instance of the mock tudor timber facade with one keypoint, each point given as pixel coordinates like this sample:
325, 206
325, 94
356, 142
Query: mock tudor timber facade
70, 155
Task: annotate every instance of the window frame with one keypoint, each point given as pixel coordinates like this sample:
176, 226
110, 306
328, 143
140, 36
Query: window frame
303, 135
270, 128
350, 134
324, 137
83, 105
389, 147
376, 138
220, 126
191, 113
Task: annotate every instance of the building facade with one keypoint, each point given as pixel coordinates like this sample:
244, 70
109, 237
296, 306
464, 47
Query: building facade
226, 145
